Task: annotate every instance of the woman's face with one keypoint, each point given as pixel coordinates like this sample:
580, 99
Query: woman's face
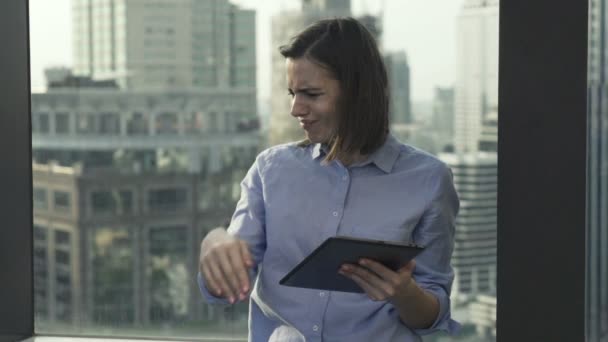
314, 98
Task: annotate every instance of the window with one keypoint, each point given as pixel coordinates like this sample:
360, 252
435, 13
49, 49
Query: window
61, 200
149, 158
169, 199
62, 238
40, 199
116, 202
62, 123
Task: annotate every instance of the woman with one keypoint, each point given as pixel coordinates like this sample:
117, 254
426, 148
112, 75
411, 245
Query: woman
348, 177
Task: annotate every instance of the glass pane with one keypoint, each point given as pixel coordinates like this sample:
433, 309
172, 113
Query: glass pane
597, 176
147, 115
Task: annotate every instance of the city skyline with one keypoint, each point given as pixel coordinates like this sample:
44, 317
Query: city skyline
431, 55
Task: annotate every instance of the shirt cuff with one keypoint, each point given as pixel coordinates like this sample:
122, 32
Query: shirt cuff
444, 321
209, 298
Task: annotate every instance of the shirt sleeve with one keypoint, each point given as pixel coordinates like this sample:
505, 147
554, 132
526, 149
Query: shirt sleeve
248, 224
435, 232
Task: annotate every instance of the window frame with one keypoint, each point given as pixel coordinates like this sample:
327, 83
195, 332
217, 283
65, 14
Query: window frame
542, 170
543, 220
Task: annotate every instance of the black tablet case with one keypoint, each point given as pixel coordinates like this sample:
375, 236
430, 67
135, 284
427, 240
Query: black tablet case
319, 270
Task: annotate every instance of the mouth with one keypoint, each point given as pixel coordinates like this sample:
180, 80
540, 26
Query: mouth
307, 124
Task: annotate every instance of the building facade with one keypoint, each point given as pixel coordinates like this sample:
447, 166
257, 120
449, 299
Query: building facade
398, 71
474, 256
476, 88
126, 185
165, 44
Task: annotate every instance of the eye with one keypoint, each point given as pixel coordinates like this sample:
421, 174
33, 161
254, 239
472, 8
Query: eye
313, 95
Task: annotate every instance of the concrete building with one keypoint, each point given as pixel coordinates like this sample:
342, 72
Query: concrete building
482, 313
165, 44
398, 71
476, 89
443, 118
474, 257
488, 137
126, 184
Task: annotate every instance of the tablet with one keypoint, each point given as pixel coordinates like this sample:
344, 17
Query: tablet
319, 270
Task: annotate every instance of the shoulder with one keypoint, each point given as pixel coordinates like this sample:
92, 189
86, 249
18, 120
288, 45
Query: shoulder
414, 159
432, 174
284, 154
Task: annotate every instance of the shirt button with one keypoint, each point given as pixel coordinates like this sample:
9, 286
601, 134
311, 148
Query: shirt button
315, 327
335, 213
322, 294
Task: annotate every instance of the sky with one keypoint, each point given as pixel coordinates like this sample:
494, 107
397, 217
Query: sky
424, 29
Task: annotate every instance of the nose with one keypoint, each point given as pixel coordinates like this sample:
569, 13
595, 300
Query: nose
298, 107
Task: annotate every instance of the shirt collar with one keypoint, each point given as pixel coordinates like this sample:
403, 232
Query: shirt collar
384, 157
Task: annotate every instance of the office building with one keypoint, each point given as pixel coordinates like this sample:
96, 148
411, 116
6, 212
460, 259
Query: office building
126, 184
474, 256
442, 123
398, 71
476, 89
165, 44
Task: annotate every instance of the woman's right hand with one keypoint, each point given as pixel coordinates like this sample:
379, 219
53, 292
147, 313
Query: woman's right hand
224, 261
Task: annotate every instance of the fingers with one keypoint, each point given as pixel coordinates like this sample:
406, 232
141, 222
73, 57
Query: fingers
378, 281
226, 262
376, 287
215, 277
239, 274
381, 270
224, 266
371, 291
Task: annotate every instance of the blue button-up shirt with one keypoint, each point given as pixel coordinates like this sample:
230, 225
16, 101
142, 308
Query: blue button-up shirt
291, 202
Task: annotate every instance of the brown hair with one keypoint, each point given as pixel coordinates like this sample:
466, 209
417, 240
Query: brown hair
348, 50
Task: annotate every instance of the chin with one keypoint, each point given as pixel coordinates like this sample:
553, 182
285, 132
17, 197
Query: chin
314, 139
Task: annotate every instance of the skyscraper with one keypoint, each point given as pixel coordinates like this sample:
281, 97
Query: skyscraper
474, 160
165, 44
474, 258
398, 71
443, 118
597, 175
476, 91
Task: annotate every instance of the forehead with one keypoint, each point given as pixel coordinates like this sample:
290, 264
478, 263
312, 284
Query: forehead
301, 72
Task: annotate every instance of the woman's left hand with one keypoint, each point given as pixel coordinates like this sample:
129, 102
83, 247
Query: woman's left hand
378, 281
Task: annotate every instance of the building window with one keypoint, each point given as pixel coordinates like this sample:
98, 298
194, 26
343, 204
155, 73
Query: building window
166, 123
168, 265
112, 202
62, 257
40, 199
137, 123
113, 276
168, 199
61, 200
43, 123
62, 123
62, 238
